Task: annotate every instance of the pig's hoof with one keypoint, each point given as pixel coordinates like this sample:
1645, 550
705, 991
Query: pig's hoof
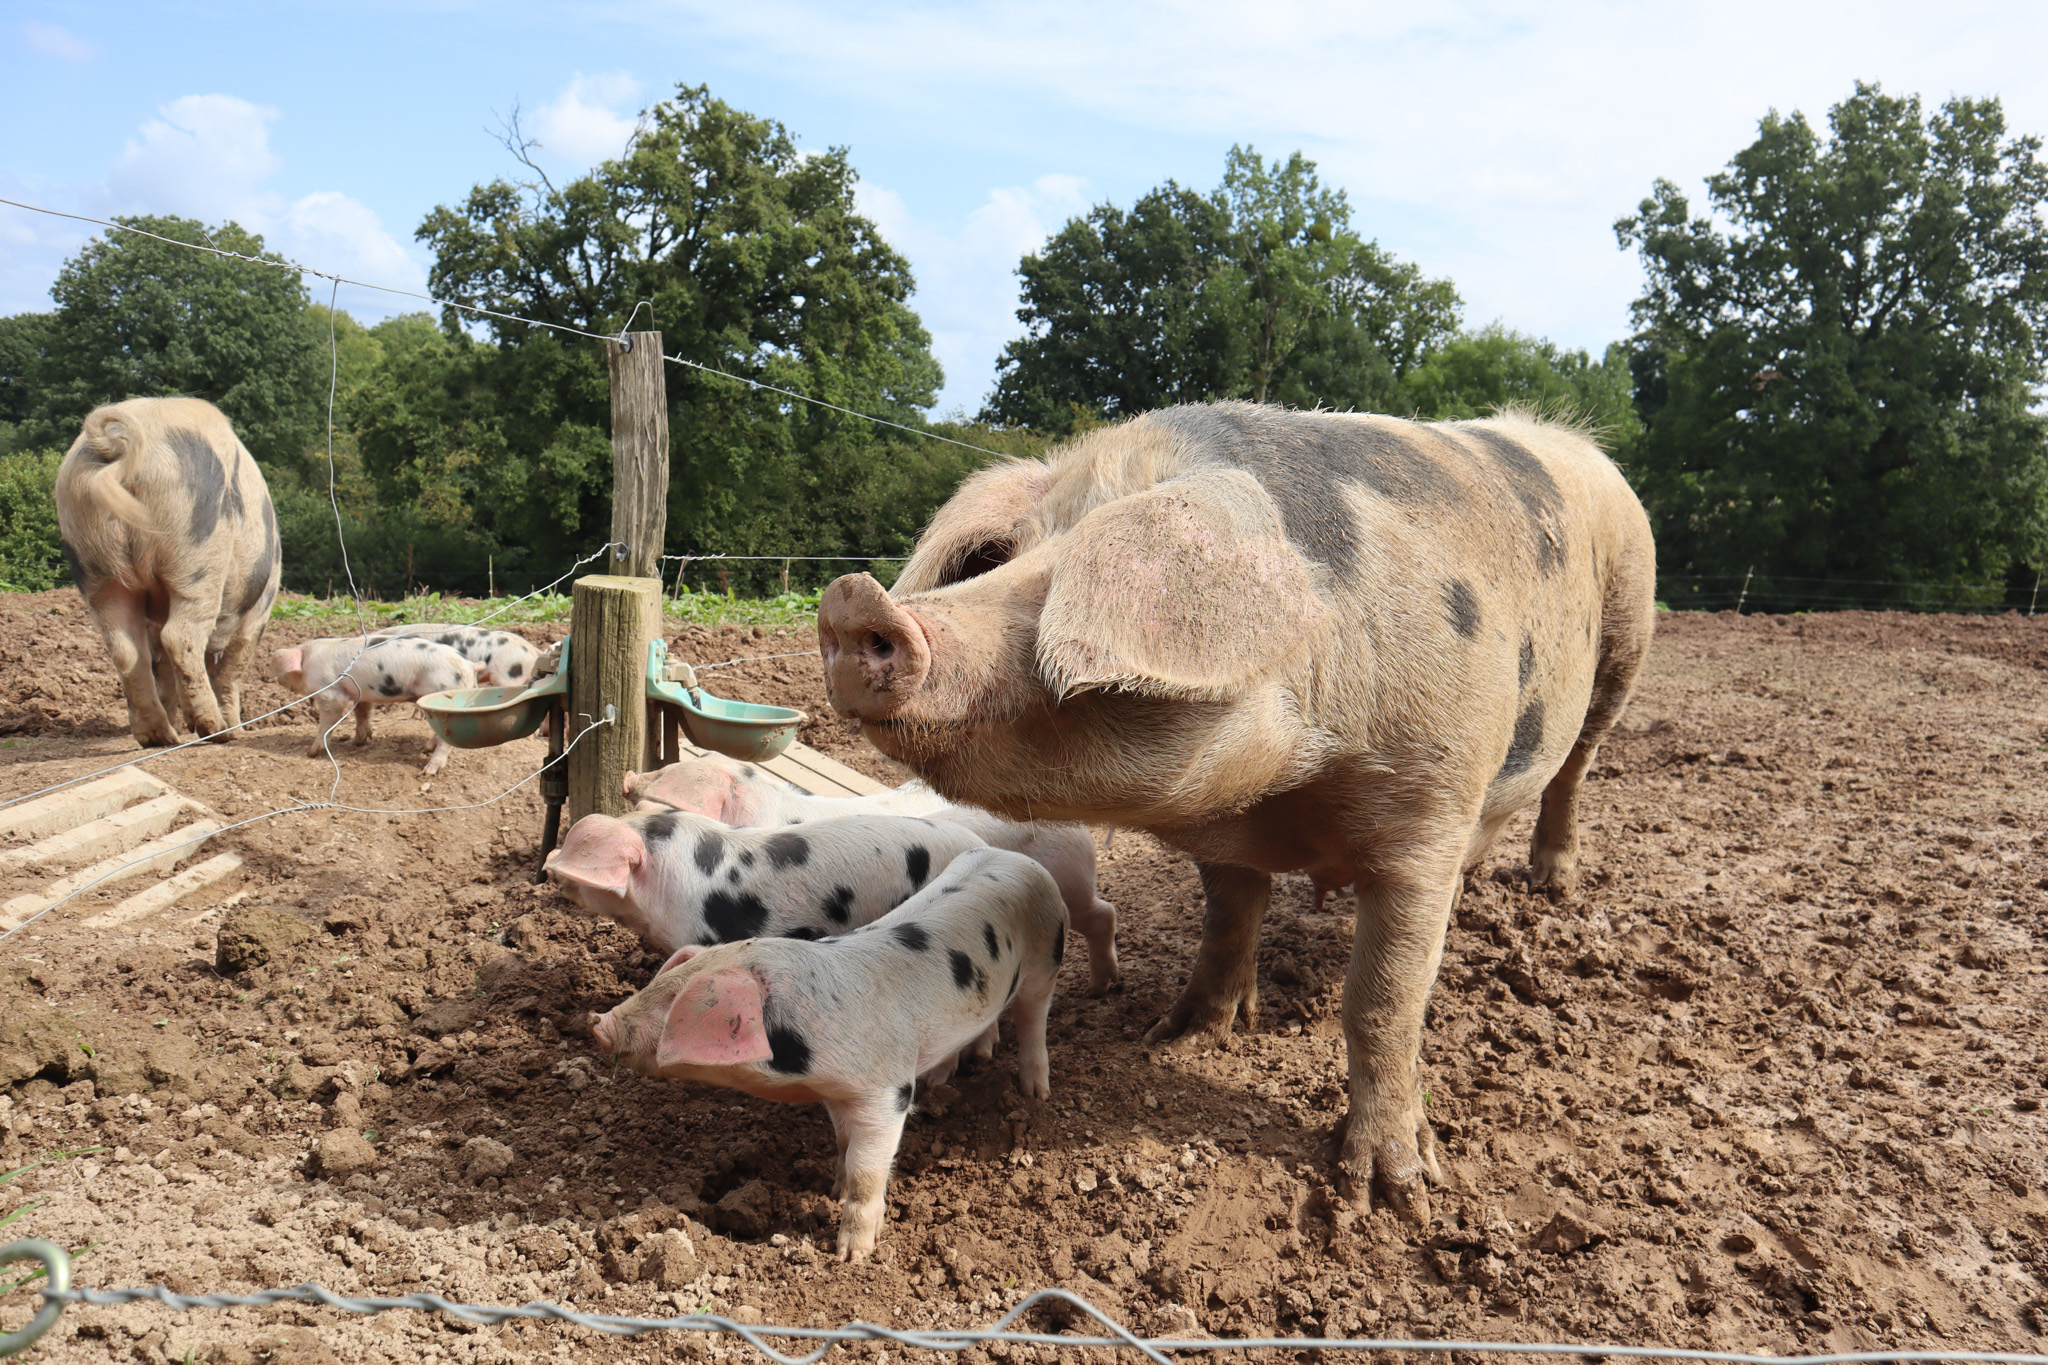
220, 737
1198, 1021
156, 741
1393, 1171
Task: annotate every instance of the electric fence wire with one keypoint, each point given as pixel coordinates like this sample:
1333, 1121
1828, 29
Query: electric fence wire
480, 311
58, 1294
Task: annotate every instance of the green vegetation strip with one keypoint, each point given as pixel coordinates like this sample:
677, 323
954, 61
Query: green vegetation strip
684, 608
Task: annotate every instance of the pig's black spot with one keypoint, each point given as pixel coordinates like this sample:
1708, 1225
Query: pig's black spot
949, 890
448, 640
516, 672
793, 820
1059, 947
81, 575
1533, 487
198, 576
917, 863
710, 850
420, 644
1462, 607
963, 968
788, 1052
1528, 738
838, 906
659, 829
258, 582
389, 686
903, 1094
746, 857
1299, 459
809, 933
787, 850
733, 876
203, 478
912, 936
1016, 974
1526, 664
708, 941
988, 936
734, 915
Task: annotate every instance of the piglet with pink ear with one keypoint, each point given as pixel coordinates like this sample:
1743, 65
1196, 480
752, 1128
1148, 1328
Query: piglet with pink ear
853, 1021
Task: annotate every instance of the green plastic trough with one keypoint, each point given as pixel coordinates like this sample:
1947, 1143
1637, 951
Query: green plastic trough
737, 729
482, 717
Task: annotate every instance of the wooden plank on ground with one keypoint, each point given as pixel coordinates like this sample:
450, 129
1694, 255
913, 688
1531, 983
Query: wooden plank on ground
813, 771
76, 805
167, 892
158, 855
97, 838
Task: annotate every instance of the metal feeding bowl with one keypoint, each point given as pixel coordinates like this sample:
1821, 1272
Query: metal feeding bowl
737, 729
481, 717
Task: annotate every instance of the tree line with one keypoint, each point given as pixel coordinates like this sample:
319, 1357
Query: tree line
1833, 372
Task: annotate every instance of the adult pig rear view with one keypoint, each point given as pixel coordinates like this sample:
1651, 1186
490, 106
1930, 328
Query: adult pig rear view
172, 541
1338, 644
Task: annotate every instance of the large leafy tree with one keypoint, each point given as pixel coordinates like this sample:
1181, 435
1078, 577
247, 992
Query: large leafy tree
1838, 365
748, 255
138, 317
1259, 290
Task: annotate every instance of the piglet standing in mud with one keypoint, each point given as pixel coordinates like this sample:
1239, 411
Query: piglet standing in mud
680, 880
365, 671
736, 793
854, 1020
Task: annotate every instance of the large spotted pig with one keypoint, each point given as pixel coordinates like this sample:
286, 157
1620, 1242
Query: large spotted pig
501, 658
167, 526
681, 880
854, 1020
1339, 644
363, 671
737, 793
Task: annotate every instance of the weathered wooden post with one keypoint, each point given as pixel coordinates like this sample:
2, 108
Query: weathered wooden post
614, 617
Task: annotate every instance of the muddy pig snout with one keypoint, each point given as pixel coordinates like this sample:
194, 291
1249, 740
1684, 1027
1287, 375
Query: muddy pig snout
876, 655
605, 1032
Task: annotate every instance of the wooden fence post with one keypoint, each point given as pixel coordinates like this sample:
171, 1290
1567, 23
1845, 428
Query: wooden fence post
613, 617
639, 454
611, 622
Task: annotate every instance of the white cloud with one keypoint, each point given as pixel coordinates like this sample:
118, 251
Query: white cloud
589, 121
966, 278
209, 157
1491, 140
53, 41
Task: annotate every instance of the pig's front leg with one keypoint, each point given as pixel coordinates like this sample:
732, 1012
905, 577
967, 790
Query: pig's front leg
328, 710
1389, 1148
438, 759
871, 1128
1034, 1067
1224, 983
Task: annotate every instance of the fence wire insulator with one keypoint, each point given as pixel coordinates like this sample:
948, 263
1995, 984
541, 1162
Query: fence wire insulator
58, 1294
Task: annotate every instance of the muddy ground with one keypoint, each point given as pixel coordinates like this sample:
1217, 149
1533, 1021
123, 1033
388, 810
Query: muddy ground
1774, 1081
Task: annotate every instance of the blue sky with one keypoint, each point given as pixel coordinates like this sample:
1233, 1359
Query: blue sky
1491, 142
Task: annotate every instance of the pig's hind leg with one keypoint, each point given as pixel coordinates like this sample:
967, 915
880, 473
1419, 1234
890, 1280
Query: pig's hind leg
870, 1129
124, 625
1554, 848
1224, 983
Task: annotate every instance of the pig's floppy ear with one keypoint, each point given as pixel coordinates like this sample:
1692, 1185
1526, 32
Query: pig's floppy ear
602, 863
1188, 589
979, 527
680, 956
715, 1021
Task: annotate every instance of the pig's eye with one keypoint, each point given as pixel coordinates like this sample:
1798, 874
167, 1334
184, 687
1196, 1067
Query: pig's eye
879, 647
978, 560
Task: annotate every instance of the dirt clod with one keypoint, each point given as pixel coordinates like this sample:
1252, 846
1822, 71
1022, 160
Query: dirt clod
252, 937
342, 1153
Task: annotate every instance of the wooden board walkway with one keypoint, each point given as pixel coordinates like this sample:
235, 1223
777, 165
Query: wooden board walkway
813, 771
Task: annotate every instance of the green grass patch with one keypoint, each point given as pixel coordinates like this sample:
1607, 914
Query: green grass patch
686, 607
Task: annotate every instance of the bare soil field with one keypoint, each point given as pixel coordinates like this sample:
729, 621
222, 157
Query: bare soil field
1773, 1081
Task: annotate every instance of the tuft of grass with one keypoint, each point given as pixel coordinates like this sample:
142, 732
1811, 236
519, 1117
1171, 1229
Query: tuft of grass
9, 1285
687, 607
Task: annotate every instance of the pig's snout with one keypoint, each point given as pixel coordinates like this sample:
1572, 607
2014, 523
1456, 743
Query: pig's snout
605, 1032
876, 655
